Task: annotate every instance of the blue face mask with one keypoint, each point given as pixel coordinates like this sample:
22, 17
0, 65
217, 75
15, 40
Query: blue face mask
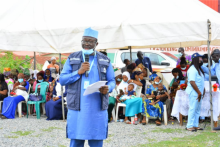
47, 75
20, 80
158, 82
119, 80
180, 54
205, 64
139, 79
87, 52
40, 81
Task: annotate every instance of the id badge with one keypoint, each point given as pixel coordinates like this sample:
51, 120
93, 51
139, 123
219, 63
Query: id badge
86, 84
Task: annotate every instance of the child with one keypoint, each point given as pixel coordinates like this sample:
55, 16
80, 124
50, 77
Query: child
22, 92
160, 95
130, 90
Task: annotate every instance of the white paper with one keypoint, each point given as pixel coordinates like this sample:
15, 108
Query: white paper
207, 85
94, 87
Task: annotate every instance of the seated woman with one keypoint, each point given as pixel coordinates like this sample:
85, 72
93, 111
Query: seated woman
50, 79
146, 75
54, 107
114, 93
183, 66
40, 79
133, 106
178, 76
10, 103
150, 109
3, 88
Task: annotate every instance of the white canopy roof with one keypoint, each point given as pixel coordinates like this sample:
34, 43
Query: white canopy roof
57, 26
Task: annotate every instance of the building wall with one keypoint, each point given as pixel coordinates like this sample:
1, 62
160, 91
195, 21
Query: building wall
214, 4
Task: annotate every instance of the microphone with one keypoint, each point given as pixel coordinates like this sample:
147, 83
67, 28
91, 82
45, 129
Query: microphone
87, 60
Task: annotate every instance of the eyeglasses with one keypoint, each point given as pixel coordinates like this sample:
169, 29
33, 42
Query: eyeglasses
88, 42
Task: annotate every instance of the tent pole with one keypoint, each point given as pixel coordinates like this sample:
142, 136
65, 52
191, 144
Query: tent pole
62, 91
34, 60
209, 63
130, 54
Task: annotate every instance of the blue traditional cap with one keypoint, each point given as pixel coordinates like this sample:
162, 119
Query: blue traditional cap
91, 33
196, 55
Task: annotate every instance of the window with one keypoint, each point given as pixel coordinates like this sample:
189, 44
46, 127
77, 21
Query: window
154, 58
127, 56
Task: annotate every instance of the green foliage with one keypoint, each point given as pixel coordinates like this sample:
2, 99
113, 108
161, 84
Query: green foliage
62, 61
11, 136
9, 60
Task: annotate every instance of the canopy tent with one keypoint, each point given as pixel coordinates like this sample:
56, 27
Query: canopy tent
57, 26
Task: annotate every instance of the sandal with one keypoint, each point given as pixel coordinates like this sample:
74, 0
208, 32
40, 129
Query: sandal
144, 123
191, 129
127, 122
198, 128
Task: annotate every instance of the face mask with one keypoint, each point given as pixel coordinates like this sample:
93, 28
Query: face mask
88, 52
180, 54
177, 77
20, 80
47, 75
158, 82
119, 80
205, 64
201, 63
139, 79
183, 68
40, 81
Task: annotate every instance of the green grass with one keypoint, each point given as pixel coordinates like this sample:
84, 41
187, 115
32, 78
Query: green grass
60, 145
168, 130
38, 135
23, 133
11, 136
50, 129
202, 139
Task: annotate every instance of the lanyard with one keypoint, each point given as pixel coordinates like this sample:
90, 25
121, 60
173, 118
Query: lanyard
91, 63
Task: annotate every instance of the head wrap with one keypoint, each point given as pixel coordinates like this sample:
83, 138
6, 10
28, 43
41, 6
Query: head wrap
153, 76
53, 58
35, 74
26, 72
135, 73
14, 72
21, 75
117, 72
123, 84
41, 73
91, 33
7, 73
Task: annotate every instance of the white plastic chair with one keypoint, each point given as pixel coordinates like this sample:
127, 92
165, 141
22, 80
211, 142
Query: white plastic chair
165, 117
113, 113
138, 92
20, 104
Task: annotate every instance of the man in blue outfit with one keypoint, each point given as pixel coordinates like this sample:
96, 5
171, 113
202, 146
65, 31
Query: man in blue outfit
144, 60
87, 117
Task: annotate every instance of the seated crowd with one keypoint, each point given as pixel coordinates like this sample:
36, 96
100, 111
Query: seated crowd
143, 90
15, 88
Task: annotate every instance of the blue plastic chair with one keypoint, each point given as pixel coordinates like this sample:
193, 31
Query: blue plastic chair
43, 89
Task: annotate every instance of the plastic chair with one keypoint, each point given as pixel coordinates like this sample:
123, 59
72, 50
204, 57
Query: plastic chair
20, 103
119, 105
1, 105
138, 91
113, 113
43, 89
165, 117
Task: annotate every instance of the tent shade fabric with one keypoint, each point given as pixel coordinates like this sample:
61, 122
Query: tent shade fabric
58, 26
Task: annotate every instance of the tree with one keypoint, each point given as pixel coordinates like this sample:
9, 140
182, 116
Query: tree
9, 60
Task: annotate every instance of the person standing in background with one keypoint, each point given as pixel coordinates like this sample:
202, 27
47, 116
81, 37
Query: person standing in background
182, 54
126, 62
196, 92
54, 68
144, 60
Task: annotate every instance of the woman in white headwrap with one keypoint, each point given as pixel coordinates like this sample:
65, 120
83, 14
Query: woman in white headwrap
133, 106
114, 93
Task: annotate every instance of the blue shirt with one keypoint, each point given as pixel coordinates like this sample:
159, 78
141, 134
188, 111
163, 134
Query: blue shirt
146, 62
216, 70
193, 75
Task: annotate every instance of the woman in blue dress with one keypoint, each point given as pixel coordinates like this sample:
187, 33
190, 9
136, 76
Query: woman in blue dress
10, 103
54, 106
150, 109
133, 106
